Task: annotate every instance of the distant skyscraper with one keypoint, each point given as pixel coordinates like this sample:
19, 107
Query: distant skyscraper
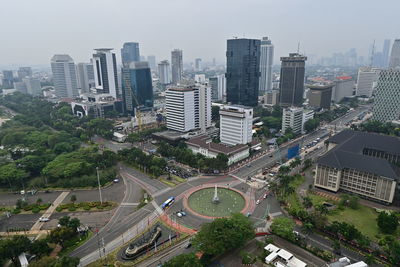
385, 52
32, 86
152, 62
197, 64
137, 82
218, 85
387, 96
266, 60
105, 72
243, 71
8, 79
24, 72
85, 76
176, 65
291, 86
366, 81
164, 72
395, 55
64, 76
130, 53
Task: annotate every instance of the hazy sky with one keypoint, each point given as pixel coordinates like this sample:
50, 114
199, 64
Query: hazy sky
33, 30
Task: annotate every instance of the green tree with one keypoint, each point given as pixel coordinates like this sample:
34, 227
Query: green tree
39, 247
307, 202
283, 226
224, 234
311, 125
184, 260
12, 248
387, 223
72, 198
11, 174
55, 262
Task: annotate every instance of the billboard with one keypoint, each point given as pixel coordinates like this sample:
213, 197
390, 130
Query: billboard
293, 151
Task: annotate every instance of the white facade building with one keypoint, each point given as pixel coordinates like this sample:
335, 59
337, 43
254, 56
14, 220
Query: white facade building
200, 78
294, 118
366, 81
64, 76
344, 86
105, 72
164, 72
266, 61
387, 96
202, 107
236, 124
282, 258
33, 86
85, 76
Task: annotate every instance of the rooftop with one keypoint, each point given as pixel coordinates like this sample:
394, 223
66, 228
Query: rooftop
204, 141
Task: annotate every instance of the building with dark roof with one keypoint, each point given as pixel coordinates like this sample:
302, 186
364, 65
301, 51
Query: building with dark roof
203, 144
362, 163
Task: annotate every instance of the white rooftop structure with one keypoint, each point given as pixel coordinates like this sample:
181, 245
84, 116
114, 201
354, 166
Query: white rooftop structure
282, 258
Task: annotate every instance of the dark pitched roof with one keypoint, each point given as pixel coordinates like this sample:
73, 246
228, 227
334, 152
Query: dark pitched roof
348, 153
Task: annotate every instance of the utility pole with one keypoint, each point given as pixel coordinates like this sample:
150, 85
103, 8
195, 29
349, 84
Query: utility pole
98, 181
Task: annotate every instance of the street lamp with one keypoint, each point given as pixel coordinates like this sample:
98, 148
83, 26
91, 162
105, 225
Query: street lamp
98, 181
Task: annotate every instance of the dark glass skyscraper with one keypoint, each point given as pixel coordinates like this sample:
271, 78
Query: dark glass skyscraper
130, 53
242, 71
137, 82
291, 86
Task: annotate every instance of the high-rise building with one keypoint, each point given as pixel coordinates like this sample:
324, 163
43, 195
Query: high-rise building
33, 86
130, 53
271, 98
385, 52
319, 95
20, 87
152, 62
266, 61
242, 71
137, 83
295, 118
291, 86
395, 54
64, 76
366, 81
197, 64
8, 79
188, 108
236, 122
176, 65
387, 96
24, 72
85, 76
217, 85
344, 87
222, 87
105, 72
200, 78
164, 72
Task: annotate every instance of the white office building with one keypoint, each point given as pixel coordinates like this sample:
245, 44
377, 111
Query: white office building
85, 76
188, 108
200, 78
295, 118
344, 87
395, 55
105, 72
33, 86
387, 96
266, 60
64, 76
164, 72
236, 124
366, 81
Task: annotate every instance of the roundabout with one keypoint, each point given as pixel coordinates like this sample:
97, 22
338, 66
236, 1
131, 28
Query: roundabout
215, 202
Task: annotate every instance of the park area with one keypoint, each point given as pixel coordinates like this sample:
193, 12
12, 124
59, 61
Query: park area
230, 201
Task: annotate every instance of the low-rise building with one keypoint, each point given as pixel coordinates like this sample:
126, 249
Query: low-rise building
345, 262
236, 124
280, 257
203, 144
294, 118
320, 95
271, 98
361, 163
96, 105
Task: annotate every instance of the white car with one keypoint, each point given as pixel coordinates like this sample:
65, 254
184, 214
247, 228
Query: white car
179, 215
258, 202
44, 219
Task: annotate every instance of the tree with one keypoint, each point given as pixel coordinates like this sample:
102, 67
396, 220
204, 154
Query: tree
283, 226
311, 125
307, 202
387, 223
322, 209
10, 174
73, 198
39, 247
12, 248
184, 260
284, 169
336, 247
55, 262
61, 234
224, 234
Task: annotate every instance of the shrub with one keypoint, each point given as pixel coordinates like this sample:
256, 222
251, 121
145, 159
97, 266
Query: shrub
59, 209
35, 210
71, 208
99, 207
16, 211
86, 208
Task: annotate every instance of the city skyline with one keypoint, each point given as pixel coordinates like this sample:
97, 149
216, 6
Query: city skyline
54, 33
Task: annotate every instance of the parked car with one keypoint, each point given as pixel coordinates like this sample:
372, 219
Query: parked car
179, 214
44, 219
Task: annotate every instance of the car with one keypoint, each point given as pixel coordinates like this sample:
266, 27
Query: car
258, 202
116, 180
183, 213
265, 196
248, 214
22, 192
248, 165
188, 245
271, 156
179, 214
44, 219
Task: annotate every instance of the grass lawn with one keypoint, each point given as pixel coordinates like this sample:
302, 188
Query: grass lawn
318, 200
363, 218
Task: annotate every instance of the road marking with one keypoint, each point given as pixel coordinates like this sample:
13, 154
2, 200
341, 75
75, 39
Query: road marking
158, 209
129, 204
276, 214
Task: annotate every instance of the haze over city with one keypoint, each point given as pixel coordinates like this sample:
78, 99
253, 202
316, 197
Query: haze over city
35, 30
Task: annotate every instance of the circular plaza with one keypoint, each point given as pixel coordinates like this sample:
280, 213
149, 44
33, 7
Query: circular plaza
211, 202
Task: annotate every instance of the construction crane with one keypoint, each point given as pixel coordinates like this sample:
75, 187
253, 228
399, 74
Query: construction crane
138, 115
